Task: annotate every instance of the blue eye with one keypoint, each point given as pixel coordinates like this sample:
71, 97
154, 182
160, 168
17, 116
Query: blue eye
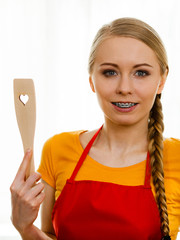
109, 73
141, 73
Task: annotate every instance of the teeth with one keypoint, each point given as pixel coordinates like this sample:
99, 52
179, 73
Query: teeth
124, 105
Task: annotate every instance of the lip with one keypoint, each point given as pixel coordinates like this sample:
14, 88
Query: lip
125, 110
123, 102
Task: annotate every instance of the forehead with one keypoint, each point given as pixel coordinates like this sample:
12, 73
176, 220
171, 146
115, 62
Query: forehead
125, 50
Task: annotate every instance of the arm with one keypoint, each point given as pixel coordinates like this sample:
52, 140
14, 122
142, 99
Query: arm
34, 233
46, 210
26, 198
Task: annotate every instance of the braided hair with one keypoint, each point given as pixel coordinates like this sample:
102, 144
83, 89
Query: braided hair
131, 27
155, 130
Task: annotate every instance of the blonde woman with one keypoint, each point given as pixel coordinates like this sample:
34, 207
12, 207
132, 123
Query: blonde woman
121, 181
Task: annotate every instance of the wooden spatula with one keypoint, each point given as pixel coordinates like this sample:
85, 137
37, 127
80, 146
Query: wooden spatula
25, 107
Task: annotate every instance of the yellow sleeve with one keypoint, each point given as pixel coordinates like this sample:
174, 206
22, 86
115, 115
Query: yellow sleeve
59, 156
46, 167
172, 183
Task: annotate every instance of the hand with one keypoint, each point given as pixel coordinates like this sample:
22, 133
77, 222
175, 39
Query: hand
26, 196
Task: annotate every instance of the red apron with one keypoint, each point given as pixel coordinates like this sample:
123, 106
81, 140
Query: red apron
93, 210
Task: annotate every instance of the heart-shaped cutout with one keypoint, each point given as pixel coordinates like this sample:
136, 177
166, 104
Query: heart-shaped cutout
24, 98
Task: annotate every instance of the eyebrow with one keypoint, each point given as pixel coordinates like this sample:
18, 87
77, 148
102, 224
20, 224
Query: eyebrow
135, 66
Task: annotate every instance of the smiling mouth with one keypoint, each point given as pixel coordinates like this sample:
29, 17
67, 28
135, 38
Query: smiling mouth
124, 105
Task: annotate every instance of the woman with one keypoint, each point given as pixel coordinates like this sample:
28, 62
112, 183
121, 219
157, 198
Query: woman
110, 183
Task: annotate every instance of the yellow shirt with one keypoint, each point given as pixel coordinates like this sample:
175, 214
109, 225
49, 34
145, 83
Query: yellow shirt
61, 153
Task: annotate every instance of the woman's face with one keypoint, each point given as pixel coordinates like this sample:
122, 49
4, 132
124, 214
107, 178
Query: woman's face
126, 78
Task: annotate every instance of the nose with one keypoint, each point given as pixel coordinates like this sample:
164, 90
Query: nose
125, 85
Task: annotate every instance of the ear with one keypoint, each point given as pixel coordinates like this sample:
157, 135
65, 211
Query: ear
91, 84
162, 82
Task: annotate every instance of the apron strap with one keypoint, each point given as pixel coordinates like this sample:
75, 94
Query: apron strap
84, 154
148, 172
86, 151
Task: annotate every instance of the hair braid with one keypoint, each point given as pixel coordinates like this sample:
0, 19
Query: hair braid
155, 130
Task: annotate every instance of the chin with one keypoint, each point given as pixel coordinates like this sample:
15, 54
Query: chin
130, 121
123, 122
126, 123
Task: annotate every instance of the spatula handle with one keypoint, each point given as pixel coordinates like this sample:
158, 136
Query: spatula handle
25, 107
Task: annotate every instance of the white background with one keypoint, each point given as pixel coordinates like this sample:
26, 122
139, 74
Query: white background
49, 41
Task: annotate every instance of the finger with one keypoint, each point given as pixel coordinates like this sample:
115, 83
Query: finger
36, 202
40, 198
25, 191
32, 180
34, 192
30, 196
19, 179
21, 174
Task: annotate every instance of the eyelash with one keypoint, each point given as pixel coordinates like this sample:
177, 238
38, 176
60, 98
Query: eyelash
142, 72
108, 72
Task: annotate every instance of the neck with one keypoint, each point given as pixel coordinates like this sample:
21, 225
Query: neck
125, 138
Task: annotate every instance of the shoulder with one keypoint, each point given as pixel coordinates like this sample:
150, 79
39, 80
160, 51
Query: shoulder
63, 141
171, 155
66, 136
172, 141
85, 137
172, 147
171, 162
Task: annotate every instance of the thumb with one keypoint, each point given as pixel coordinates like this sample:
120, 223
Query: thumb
21, 174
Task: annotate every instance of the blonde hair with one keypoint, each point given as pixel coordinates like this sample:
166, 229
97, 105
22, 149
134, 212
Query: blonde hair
134, 28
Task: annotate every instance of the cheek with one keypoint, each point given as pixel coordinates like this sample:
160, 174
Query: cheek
104, 92
148, 89
147, 95
105, 86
